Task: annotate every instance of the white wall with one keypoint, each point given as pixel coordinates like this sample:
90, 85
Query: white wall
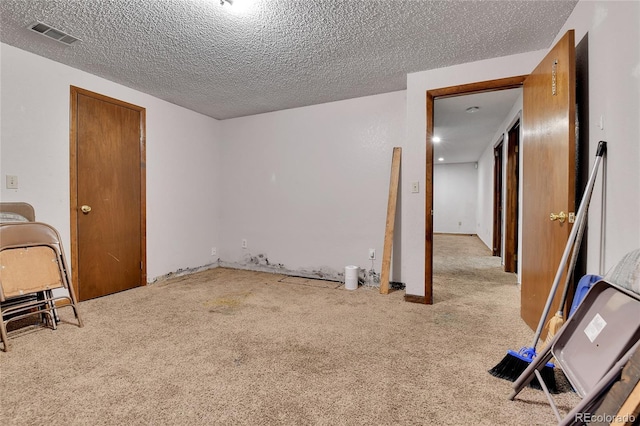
613, 30
182, 158
455, 197
484, 216
413, 212
308, 187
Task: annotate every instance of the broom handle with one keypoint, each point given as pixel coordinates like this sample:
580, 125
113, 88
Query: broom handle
602, 148
574, 257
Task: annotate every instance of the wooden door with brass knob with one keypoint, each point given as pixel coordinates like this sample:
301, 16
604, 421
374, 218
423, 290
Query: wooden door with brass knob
107, 151
549, 173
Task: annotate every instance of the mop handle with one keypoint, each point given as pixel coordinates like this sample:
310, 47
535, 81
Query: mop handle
574, 257
602, 148
572, 265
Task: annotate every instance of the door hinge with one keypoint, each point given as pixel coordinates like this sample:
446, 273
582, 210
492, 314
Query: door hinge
141, 266
515, 257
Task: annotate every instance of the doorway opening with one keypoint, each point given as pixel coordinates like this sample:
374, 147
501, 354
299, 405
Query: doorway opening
432, 95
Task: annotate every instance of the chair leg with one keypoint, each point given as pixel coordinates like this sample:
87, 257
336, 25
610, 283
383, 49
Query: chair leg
74, 303
528, 374
77, 314
3, 334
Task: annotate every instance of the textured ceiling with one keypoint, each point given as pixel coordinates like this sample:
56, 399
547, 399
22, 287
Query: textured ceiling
234, 60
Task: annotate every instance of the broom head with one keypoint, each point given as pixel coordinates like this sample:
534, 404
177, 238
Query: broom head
514, 363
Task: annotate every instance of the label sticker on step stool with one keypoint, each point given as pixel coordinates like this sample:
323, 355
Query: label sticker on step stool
594, 328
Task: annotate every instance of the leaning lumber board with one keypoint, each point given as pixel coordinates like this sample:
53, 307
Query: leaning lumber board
391, 218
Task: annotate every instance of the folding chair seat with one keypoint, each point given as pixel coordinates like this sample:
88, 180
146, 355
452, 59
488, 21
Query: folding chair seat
592, 347
32, 263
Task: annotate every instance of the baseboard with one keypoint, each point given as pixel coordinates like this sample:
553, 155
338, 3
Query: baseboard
182, 272
257, 264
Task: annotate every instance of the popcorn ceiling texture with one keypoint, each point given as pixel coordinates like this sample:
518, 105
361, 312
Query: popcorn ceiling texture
278, 54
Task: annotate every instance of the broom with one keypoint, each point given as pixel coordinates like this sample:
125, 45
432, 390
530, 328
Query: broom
515, 362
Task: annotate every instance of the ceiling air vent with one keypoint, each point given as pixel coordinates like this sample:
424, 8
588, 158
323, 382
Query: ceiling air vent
53, 33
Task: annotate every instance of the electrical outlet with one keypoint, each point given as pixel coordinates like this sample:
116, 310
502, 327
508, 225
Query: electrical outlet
372, 254
12, 182
244, 243
214, 251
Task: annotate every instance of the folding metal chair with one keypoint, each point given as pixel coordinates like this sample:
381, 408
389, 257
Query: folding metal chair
592, 347
32, 261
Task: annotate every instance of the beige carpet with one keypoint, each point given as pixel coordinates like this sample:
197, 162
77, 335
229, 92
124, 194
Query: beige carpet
226, 347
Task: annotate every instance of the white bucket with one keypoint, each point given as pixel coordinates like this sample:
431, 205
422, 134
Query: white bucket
351, 277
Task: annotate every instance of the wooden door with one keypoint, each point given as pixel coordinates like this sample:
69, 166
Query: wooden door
512, 200
497, 199
107, 194
549, 171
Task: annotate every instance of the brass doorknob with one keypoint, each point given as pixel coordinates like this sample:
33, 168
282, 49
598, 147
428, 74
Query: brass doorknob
562, 216
85, 209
